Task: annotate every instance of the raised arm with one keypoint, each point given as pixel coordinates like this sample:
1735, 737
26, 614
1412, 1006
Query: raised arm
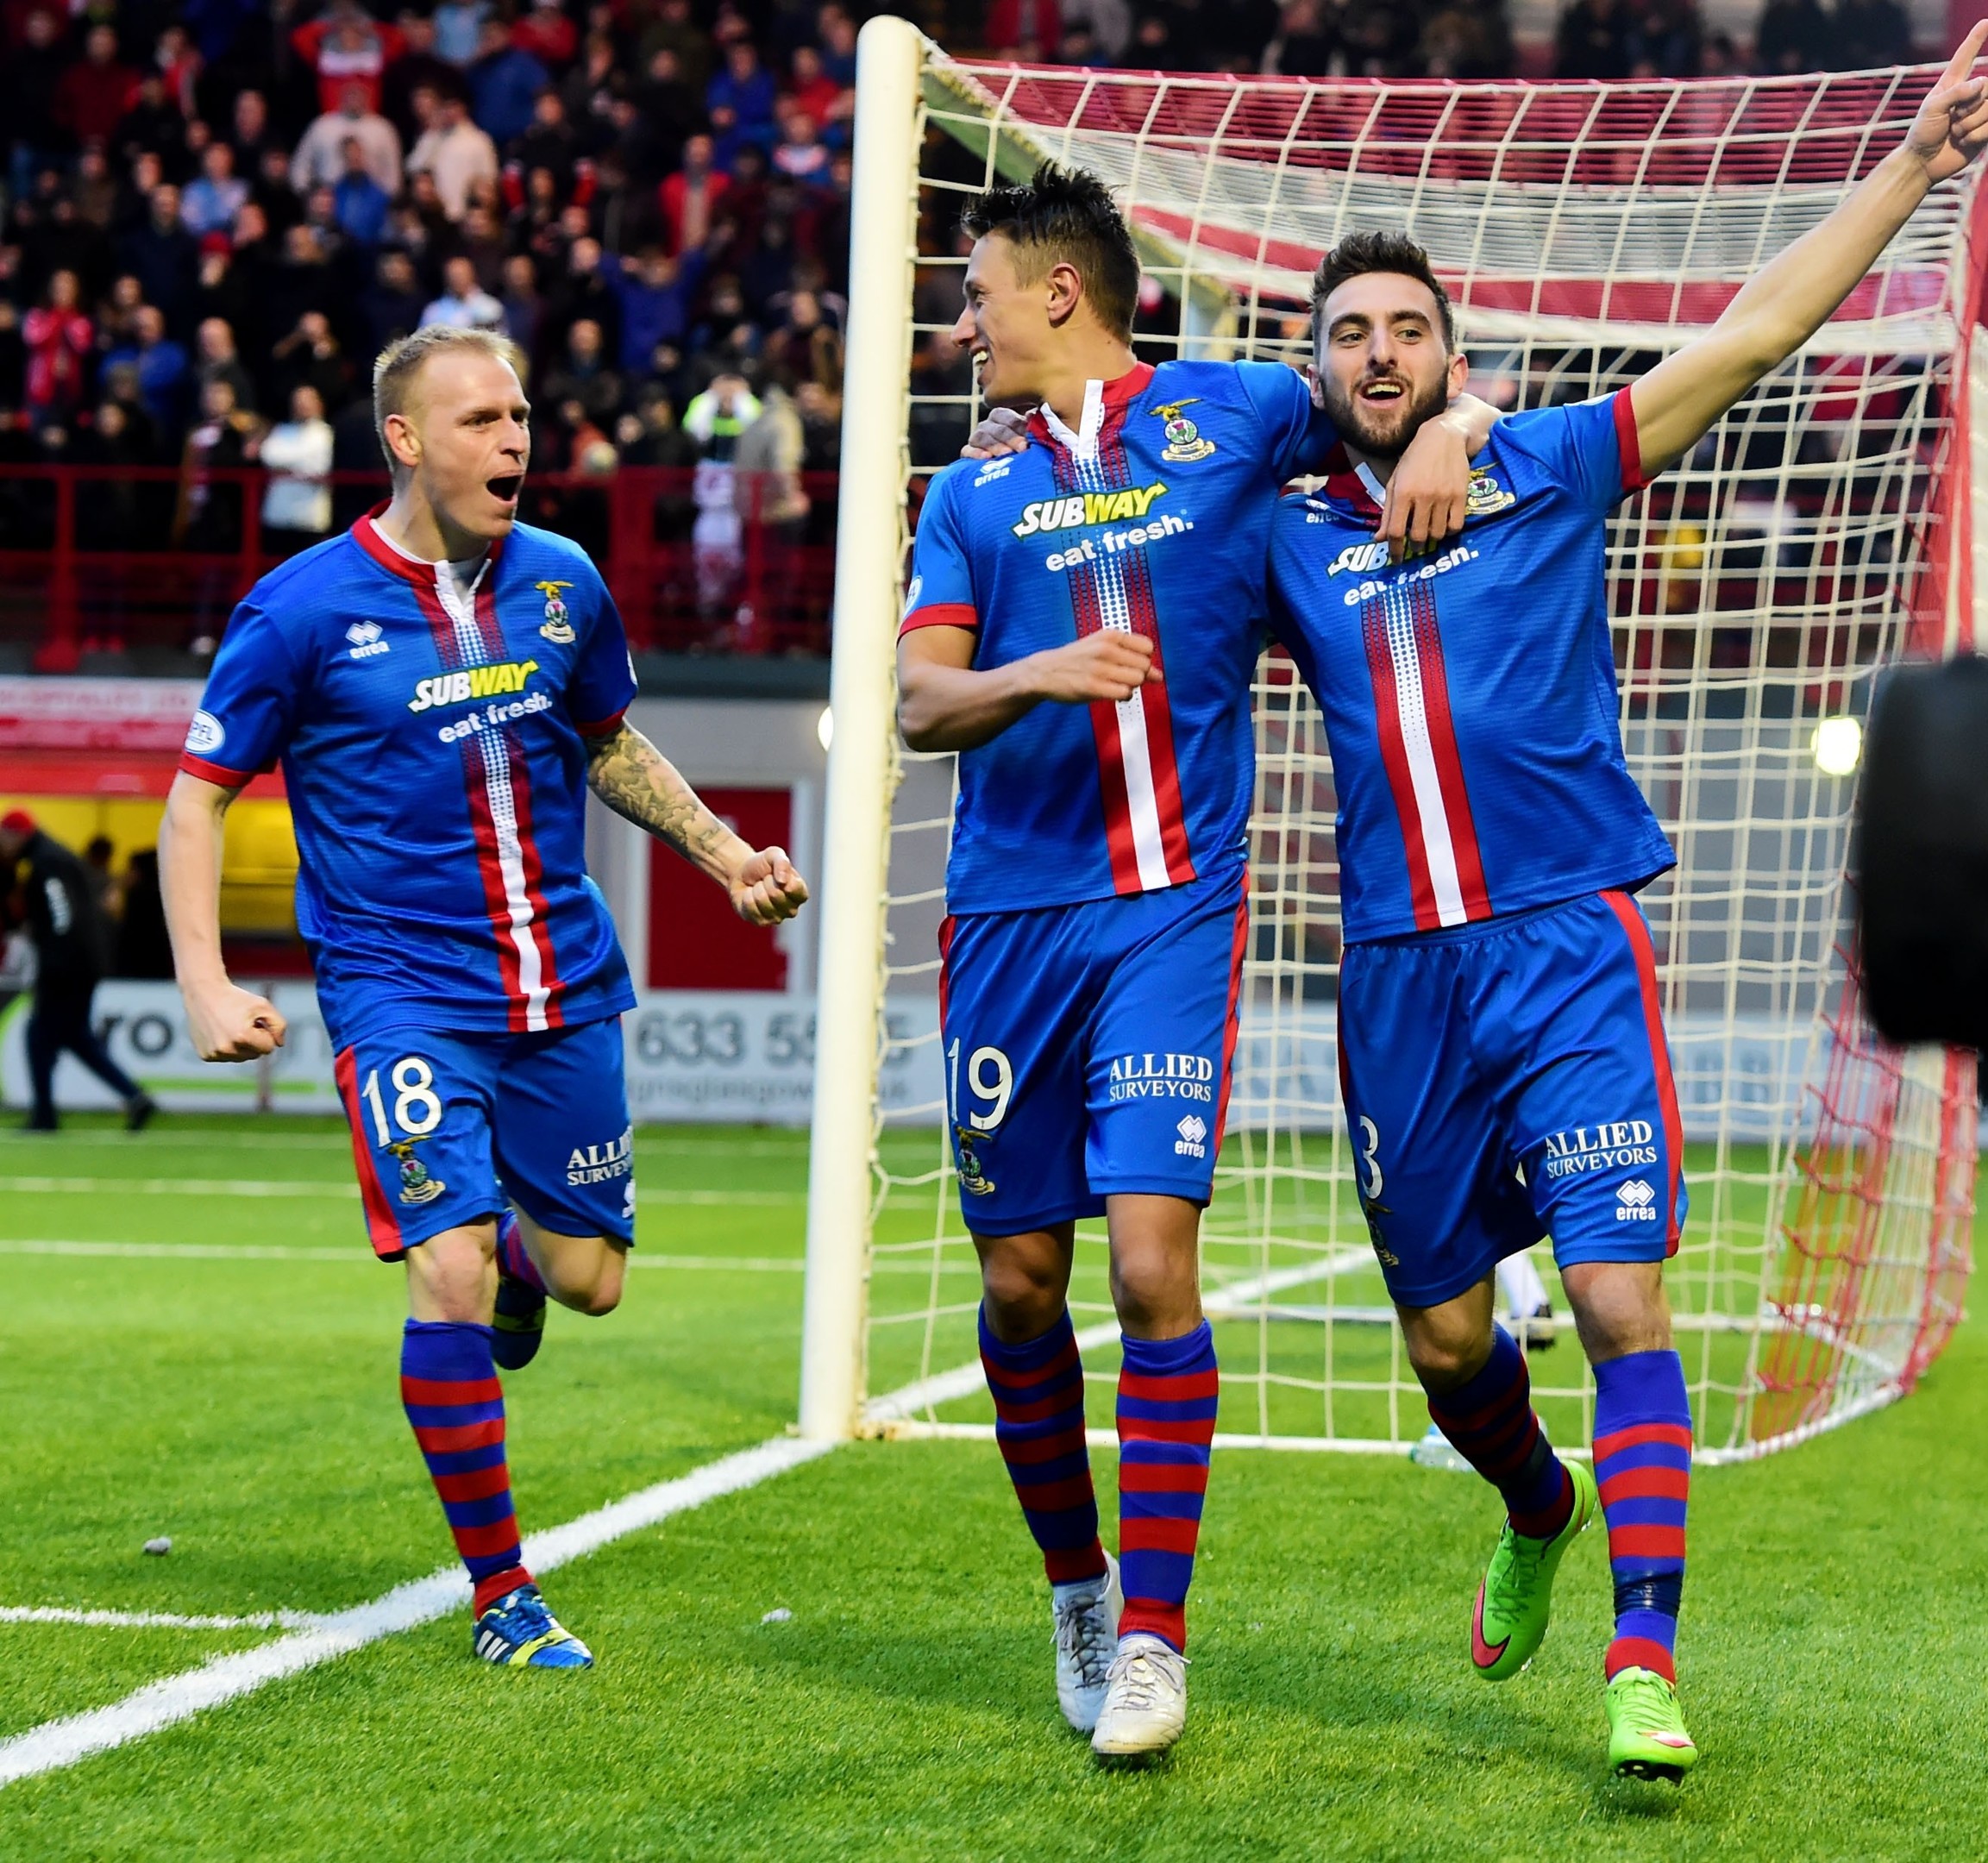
1789, 299
640, 784
225, 1022
944, 704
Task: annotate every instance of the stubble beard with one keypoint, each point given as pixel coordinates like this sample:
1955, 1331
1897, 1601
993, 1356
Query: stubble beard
1352, 420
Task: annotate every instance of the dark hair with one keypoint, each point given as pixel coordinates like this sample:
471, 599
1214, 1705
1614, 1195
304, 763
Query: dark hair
1361, 253
1066, 217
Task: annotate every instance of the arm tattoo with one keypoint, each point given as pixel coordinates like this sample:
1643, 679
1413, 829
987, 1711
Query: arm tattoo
640, 784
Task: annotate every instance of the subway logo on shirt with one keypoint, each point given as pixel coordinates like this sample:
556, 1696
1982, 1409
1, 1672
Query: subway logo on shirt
1086, 508
473, 682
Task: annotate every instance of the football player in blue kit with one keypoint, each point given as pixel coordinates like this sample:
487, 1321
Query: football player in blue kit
1083, 623
1501, 1035
443, 684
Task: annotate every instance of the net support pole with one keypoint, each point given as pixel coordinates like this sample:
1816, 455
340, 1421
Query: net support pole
855, 840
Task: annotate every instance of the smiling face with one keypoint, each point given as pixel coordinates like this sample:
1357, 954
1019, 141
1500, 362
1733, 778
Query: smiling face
465, 438
1007, 325
1380, 364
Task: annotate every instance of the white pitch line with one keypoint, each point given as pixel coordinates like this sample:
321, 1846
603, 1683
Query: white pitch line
179, 1698
122, 1619
1229, 1302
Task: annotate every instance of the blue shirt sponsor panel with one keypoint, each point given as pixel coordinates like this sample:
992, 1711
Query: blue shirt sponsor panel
433, 740
1149, 517
1470, 697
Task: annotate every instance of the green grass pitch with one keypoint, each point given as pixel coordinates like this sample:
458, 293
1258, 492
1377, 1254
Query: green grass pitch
246, 1406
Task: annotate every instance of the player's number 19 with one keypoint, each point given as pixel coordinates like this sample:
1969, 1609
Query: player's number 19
416, 1108
998, 1089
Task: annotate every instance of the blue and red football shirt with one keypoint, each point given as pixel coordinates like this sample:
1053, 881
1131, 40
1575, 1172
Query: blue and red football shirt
434, 749
1470, 697
1151, 516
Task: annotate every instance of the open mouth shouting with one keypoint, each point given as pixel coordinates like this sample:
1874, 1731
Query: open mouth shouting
504, 489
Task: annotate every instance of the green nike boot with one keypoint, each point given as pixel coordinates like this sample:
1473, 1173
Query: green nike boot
1508, 1622
1646, 1736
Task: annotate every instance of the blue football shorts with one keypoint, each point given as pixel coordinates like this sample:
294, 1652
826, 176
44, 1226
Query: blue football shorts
1087, 1049
1506, 1080
448, 1129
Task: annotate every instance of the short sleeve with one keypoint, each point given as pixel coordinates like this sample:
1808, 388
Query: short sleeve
940, 590
1591, 446
1301, 437
603, 684
249, 708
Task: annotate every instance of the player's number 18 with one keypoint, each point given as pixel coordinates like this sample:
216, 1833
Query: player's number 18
417, 1107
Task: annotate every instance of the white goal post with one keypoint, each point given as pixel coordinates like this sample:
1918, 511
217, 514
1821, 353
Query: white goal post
1826, 527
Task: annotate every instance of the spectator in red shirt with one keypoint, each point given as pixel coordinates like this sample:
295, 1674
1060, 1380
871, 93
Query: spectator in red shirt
812, 90
547, 34
93, 95
346, 45
690, 198
58, 336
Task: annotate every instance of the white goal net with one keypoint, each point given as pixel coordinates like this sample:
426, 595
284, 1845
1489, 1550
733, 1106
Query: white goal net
1583, 231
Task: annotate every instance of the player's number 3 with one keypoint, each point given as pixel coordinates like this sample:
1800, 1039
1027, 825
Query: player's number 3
997, 1088
417, 1107
1370, 1155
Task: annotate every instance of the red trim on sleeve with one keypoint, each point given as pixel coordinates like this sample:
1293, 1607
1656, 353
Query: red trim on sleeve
611, 721
939, 614
213, 773
1630, 445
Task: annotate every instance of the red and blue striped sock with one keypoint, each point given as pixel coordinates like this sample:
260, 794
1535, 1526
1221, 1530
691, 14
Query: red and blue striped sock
1492, 1425
1643, 1462
448, 1385
1168, 1392
512, 1258
1038, 1395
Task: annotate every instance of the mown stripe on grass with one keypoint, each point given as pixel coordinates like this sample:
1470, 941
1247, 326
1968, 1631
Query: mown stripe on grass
313, 1189
174, 1698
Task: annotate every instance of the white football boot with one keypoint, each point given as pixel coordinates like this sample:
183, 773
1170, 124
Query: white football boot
1145, 1700
1086, 1616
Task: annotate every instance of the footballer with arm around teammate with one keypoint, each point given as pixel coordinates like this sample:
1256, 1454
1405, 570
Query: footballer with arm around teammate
1083, 623
443, 684
1502, 1044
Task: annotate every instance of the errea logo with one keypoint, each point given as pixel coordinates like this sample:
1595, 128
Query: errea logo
1635, 1202
1193, 1130
365, 641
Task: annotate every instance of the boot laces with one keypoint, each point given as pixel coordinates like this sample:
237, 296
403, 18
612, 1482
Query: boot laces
1142, 1673
1084, 1637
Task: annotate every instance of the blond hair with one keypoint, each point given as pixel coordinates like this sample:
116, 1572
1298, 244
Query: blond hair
399, 364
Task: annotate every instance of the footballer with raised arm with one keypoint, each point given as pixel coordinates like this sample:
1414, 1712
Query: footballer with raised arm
1501, 1038
443, 684
1083, 623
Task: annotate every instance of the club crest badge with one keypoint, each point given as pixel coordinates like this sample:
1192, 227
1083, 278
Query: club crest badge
973, 1178
1184, 442
1486, 495
416, 1187
557, 629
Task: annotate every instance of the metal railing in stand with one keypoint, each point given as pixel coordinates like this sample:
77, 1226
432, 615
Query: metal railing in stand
698, 560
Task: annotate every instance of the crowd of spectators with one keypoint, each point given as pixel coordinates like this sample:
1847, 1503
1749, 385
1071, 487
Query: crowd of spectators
1461, 38
218, 211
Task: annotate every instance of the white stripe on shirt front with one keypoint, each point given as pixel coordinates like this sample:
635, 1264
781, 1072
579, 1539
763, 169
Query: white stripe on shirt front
1114, 610
1412, 709
460, 605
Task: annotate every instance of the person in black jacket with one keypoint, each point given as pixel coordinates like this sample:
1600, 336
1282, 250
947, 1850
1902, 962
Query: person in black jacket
69, 938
